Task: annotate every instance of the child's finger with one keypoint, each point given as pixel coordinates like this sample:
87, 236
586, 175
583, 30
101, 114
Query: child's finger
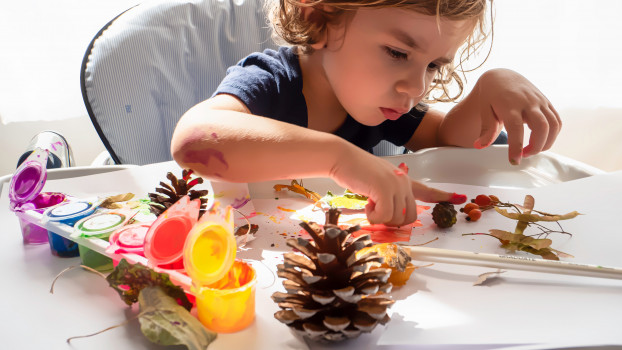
489, 128
378, 213
539, 126
513, 123
555, 125
433, 195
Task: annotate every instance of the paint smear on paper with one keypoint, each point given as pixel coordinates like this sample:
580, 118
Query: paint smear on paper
286, 209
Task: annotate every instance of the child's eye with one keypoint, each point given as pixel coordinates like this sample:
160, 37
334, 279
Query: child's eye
433, 67
395, 54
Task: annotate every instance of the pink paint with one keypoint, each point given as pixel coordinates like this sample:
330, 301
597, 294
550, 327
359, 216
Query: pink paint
214, 136
457, 198
399, 172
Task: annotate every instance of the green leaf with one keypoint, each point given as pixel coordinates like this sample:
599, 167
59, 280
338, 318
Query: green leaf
164, 322
128, 280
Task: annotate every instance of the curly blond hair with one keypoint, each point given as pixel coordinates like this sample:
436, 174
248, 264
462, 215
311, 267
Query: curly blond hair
291, 27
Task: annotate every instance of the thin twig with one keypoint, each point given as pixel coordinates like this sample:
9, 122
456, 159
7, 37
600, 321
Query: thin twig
107, 329
71, 268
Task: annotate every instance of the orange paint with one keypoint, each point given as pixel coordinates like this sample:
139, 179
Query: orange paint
285, 209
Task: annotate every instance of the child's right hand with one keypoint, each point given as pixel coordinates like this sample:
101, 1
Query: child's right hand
392, 193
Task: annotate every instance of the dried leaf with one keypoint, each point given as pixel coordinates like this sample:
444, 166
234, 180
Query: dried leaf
487, 276
297, 188
242, 230
348, 200
111, 202
536, 217
128, 280
164, 322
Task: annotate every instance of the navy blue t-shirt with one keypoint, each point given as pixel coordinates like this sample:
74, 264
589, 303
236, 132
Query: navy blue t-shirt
270, 85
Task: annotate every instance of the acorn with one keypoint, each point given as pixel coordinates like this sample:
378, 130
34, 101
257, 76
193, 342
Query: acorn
444, 214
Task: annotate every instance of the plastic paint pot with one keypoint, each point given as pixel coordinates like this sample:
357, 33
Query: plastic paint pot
164, 242
25, 194
128, 239
224, 287
67, 213
99, 226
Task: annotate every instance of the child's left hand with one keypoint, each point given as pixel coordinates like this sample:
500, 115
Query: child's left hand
508, 99
502, 98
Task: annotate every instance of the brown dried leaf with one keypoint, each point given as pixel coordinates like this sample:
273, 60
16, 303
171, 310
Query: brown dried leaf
487, 276
536, 217
111, 201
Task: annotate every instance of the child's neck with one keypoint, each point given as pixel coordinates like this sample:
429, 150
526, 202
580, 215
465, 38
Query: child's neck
324, 112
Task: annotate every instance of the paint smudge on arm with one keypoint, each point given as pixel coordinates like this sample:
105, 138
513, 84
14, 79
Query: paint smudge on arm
208, 160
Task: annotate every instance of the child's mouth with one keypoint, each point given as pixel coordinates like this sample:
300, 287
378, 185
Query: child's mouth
390, 113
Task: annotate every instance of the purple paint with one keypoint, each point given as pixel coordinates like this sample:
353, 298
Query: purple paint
204, 157
215, 136
240, 202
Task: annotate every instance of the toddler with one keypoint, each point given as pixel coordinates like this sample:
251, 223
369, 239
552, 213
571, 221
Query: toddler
355, 73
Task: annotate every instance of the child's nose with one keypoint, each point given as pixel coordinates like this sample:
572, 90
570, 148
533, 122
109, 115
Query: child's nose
414, 85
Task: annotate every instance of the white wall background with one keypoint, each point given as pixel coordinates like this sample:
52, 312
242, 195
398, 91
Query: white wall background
570, 49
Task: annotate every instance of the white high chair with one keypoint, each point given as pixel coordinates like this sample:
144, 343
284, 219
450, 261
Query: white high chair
153, 62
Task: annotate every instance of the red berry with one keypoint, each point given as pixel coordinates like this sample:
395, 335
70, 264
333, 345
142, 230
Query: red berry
494, 198
474, 215
483, 200
470, 206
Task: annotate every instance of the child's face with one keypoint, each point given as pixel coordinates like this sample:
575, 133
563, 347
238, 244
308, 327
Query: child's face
383, 63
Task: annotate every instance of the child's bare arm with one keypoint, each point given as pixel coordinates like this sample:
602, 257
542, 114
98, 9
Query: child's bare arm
219, 139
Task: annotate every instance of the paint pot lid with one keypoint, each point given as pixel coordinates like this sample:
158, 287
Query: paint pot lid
129, 238
164, 242
69, 210
29, 178
209, 252
100, 224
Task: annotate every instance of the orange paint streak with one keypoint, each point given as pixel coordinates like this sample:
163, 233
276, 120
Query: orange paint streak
285, 209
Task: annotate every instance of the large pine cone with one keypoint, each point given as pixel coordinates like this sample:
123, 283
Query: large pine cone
169, 194
332, 295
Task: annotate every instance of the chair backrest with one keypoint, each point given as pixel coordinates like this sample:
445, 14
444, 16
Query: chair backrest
153, 62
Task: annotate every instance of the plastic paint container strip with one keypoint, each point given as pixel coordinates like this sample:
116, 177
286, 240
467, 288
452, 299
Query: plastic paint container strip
128, 239
224, 287
25, 194
67, 213
99, 226
70, 212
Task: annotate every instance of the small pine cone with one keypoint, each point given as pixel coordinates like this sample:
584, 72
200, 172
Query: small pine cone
331, 294
444, 214
167, 195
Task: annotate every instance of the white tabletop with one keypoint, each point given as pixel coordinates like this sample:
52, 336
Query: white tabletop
438, 308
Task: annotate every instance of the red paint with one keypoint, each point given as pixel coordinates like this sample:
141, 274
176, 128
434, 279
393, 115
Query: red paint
399, 172
404, 167
457, 198
215, 136
404, 211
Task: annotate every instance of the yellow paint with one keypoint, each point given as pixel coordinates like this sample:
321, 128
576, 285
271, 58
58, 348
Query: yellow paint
229, 304
224, 287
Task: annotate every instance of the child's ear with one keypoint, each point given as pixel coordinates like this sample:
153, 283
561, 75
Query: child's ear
311, 14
